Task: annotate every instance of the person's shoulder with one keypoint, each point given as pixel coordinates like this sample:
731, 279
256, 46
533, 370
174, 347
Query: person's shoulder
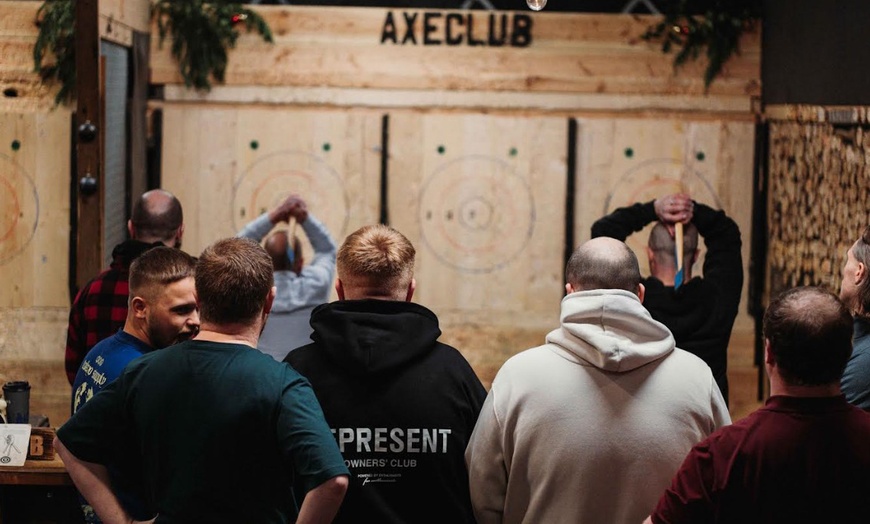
303, 355
688, 360
694, 372
528, 361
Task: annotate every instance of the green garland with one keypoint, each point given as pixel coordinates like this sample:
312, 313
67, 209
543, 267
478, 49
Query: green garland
718, 29
201, 34
56, 21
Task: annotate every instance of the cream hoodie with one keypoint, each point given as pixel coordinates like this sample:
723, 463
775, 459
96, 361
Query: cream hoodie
590, 427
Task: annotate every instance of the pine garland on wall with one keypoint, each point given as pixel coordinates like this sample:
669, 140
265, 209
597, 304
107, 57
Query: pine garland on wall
714, 25
201, 35
56, 22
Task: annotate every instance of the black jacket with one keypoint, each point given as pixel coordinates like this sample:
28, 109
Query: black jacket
701, 312
402, 407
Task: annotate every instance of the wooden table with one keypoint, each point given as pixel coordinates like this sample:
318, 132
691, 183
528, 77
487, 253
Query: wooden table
40, 491
36, 473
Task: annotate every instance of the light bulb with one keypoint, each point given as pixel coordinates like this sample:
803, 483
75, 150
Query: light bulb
536, 5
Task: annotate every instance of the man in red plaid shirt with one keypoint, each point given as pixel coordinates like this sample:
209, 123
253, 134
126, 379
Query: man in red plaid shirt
100, 307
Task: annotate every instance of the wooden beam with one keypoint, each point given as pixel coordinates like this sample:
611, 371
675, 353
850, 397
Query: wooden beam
739, 107
88, 154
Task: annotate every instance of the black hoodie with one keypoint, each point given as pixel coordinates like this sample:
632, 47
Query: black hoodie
401, 405
701, 312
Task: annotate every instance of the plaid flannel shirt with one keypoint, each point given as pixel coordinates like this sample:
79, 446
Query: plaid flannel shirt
100, 307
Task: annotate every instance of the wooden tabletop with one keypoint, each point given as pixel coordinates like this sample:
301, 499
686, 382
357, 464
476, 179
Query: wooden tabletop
36, 473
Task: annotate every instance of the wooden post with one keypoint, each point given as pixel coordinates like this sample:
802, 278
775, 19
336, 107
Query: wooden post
89, 156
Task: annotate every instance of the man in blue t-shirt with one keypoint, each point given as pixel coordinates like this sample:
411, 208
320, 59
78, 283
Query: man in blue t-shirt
162, 311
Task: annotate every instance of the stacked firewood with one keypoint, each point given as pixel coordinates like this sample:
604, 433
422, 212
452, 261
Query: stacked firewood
818, 185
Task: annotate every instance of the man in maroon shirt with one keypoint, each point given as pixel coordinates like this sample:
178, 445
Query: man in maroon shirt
100, 307
802, 457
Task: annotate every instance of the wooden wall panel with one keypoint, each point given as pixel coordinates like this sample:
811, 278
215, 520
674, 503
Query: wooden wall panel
574, 53
130, 14
229, 164
482, 198
20, 86
34, 254
623, 161
34, 208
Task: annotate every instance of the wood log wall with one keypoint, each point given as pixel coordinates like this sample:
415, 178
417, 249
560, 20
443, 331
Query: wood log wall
819, 181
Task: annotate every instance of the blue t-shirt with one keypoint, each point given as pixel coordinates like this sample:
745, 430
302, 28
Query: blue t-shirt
103, 363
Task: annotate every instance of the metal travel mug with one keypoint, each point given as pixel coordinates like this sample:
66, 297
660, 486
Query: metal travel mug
17, 395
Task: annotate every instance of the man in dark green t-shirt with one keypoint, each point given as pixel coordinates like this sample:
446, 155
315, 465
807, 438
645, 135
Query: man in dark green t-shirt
214, 430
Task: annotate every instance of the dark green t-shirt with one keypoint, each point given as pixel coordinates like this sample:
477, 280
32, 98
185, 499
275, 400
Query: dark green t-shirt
218, 432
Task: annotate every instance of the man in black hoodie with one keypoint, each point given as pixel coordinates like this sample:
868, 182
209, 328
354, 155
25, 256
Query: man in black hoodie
400, 404
701, 311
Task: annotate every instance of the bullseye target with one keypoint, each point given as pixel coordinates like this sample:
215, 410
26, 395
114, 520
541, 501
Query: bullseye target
656, 178
477, 214
19, 209
268, 181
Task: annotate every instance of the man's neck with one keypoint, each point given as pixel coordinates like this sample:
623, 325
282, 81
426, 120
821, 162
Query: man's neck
229, 333
668, 276
135, 329
777, 387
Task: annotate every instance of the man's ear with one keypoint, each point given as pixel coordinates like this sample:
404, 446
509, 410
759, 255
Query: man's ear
860, 273
339, 288
768, 354
641, 291
569, 288
650, 255
270, 298
130, 229
412, 285
139, 307
178, 234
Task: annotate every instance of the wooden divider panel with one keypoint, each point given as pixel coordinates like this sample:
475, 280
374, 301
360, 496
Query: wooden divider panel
227, 165
482, 198
623, 161
34, 208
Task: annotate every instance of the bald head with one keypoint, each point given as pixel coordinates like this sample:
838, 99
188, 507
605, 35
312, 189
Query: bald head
157, 217
664, 250
809, 332
278, 247
603, 263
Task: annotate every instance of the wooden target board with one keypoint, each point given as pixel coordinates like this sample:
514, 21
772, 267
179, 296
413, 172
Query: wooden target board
482, 199
228, 165
34, 208
624, 161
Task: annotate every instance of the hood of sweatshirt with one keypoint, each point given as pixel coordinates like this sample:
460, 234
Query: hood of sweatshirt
374, 336
611, 330
124, 253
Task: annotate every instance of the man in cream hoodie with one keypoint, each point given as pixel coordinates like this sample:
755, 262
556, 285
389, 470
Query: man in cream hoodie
591, 426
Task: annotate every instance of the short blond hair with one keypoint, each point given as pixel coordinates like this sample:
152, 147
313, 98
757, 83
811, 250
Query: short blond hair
377, 258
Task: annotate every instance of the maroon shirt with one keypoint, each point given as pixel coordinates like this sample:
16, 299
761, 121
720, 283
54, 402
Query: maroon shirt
793, 460
100, 307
